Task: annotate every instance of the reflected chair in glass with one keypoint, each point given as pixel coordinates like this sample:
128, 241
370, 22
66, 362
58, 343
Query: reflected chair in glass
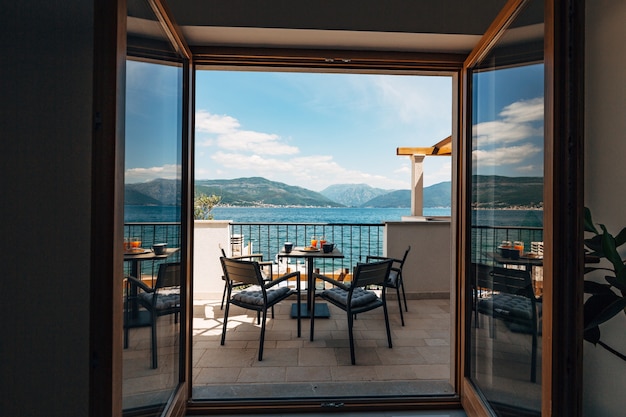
395, 278
160, 300
261, 297
512, 300
266, 270
354, 298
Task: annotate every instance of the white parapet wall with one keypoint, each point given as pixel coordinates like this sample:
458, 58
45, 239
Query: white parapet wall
427, 272
207, 270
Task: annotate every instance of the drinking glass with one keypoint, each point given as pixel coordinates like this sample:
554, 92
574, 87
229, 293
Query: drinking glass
313, 242
322, 240
135, 242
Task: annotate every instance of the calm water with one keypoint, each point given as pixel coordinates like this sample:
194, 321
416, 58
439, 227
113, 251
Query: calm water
148, 214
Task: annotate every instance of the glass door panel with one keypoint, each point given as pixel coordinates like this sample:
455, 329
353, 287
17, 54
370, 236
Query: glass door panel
152, 216
506, 218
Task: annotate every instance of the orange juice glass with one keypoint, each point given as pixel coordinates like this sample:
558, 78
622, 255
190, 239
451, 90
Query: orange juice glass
135, 242
322, 240
313, 242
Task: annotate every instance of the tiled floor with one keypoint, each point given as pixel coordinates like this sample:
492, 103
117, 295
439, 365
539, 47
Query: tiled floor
418, 363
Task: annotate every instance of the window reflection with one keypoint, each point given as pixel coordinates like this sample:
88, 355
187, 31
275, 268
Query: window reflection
152, 216
506, 274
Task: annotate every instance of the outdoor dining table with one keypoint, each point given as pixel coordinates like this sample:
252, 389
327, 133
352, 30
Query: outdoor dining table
321, 309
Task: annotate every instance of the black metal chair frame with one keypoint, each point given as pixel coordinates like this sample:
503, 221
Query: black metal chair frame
398, 284
168, 276
374, 273
249, 272
507, 285
251, 257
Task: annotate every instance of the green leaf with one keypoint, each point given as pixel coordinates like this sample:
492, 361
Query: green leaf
592, 335
589, 227
600, 308
610, 252
617, 282
595, 244
620, 239
592, 287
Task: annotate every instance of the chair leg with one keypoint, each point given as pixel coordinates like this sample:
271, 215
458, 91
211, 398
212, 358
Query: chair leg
225, 321
387, 323
312, 312
262, 335
533, 360
406, 306
400, 304
224, 294
154, 341
350, 324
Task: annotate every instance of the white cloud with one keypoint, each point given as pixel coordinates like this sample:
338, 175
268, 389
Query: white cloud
135, 175
517, 123
228, 135
505, 155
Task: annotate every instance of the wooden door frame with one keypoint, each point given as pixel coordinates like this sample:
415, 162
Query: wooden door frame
562, 341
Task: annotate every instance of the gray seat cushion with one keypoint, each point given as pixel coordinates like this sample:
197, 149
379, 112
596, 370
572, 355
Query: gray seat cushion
256, 297
360, 297
165, 299
507, 305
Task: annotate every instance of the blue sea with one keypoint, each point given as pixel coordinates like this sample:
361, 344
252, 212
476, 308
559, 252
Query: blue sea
151, 214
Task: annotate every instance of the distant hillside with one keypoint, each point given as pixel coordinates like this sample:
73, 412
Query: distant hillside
393, 199
352, 195
159, 192
502, 192
437, 195
258, 191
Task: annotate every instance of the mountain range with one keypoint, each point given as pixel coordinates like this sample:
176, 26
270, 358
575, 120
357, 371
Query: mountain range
257, 191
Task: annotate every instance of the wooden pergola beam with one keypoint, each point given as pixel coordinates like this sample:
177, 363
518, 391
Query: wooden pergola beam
441, 148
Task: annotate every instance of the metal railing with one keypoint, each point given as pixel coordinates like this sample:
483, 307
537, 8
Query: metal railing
151, 233
355, 241
486, 239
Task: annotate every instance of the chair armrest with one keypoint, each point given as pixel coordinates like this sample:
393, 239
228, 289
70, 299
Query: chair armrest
139, 283
332, 281
295, 274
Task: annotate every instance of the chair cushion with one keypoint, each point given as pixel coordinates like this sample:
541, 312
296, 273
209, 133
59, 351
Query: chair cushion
256, 297
360, 297
507, 305
165, 299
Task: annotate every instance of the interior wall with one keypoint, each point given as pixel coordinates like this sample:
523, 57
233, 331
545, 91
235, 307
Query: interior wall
45, 126
605, 182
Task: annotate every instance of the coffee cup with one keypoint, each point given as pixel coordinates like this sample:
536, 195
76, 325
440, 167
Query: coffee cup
159, 248
288, 247
328, 247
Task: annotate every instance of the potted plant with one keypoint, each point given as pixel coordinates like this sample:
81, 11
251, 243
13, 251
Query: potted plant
605, 300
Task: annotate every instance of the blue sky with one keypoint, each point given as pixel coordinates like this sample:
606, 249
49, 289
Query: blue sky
315, 130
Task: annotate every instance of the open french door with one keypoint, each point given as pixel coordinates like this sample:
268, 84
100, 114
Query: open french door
522, 121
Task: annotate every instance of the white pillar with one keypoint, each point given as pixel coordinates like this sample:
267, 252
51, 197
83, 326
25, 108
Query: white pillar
417, 185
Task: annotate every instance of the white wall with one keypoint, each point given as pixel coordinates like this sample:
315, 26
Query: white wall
427, 272
45, 131
207, 270
605, 183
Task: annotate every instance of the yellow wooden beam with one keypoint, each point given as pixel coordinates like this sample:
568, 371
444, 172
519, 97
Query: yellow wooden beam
441, 148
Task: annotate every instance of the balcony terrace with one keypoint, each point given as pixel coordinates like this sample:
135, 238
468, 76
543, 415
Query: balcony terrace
418, 364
